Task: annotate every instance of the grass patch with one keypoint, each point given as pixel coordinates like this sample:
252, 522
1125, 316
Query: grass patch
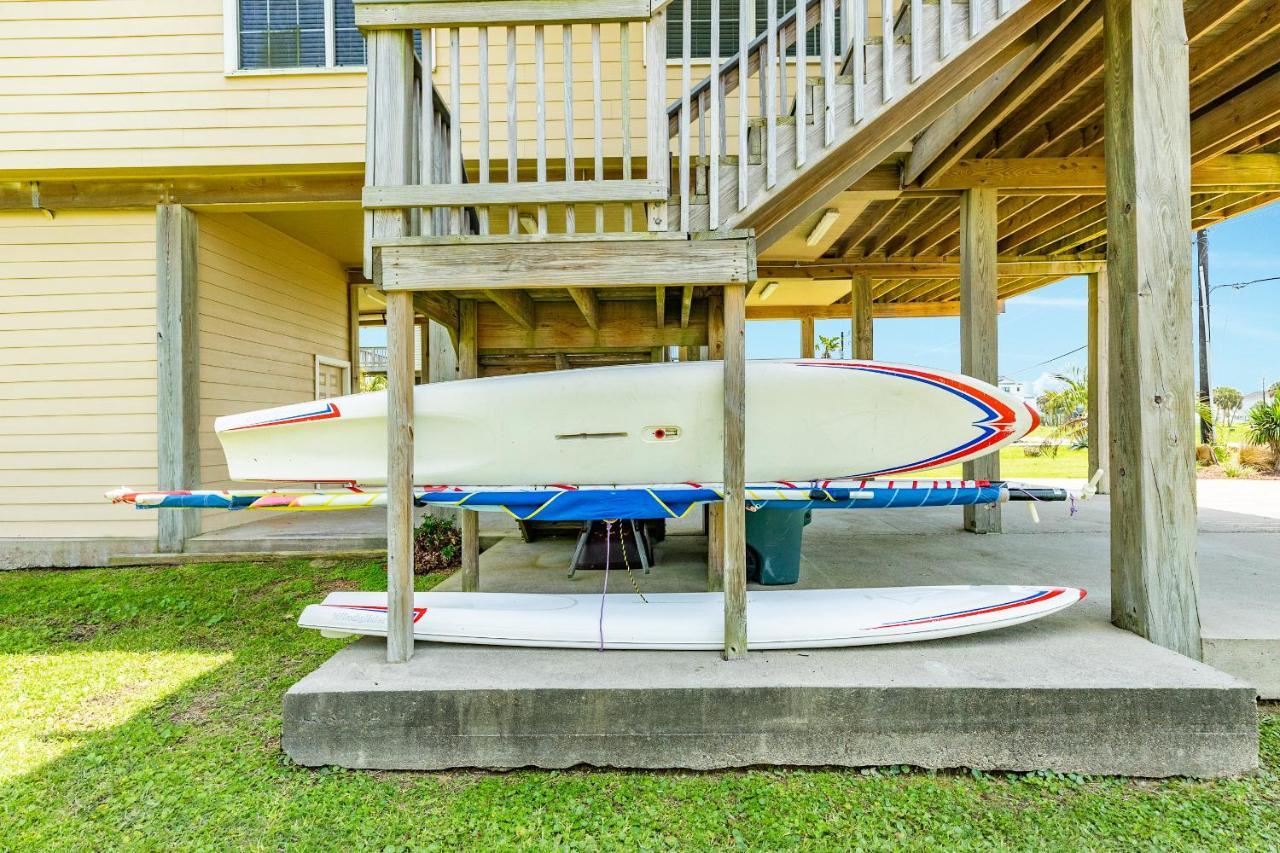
1069, 464
140, 708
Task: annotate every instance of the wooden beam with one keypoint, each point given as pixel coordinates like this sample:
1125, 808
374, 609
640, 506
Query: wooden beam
1088, 175
486, 195
1099, 374
426, 264
1153, 517
1066, 43
734, 505
686, 305
623, 325
1248, 113
517, 303
774, 214
660, 302
389, 151
925, 267
862, 317
441, 307
469, 520
588, 304
375, 14
978, 347
177, 370
840, 310
277, 191
715, 512
806, 337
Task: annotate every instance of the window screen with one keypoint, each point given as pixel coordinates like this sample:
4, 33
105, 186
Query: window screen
700, 27
348, 41
282, 33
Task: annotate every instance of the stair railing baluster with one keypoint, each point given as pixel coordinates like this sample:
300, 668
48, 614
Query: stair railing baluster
944, 28
597, 118
570, 215
715, 105
513, 162
685, 33
455, 126
771, 95
858, 50
624, 45
886, 50
917, 39
743, 67
827, 33
482, 59
802, 82
540, 106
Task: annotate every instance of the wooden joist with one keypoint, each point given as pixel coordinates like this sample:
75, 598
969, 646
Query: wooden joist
517, 303
226, 192
588, 304
1088, 175
841, 310
926, 267
583, 261
624, 324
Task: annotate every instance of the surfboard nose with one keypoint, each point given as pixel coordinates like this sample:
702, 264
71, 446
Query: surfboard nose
1035, 418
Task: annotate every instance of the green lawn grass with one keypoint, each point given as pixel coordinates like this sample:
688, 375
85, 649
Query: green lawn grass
140, 709
1015, 464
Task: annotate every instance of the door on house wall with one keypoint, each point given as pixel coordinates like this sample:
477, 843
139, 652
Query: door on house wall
333, 377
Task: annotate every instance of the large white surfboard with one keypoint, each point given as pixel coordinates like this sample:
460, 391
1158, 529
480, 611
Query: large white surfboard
639, 424
777, 619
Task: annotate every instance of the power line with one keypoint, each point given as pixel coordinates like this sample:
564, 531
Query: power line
1239, 285
1048, 360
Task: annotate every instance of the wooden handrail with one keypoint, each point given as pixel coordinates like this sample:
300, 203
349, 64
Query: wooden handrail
786, 30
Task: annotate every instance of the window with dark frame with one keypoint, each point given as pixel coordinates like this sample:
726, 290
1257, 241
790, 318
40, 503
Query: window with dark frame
700, 27
292, 34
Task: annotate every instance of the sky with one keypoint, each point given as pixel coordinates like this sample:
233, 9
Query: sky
1038, 327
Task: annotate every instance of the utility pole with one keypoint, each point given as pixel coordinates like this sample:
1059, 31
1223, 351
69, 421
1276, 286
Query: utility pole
1202, 265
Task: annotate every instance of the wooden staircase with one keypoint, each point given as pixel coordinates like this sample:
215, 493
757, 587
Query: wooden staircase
799, 153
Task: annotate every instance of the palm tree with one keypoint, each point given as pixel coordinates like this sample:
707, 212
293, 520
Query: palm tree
1068, 407
1228, 400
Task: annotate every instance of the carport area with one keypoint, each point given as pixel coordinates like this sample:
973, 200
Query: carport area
1070, 692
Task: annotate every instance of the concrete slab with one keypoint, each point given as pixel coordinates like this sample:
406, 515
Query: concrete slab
1075, 697
1068, 693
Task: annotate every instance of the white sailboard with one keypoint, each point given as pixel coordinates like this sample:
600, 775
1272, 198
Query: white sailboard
776, 619
639, 424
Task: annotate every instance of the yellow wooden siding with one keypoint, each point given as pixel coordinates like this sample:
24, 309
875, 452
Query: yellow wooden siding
268, 305
128, 84
118, 84
77, 371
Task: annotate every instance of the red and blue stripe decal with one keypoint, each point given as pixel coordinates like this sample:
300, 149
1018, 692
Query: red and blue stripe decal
324, 413
1034, 598
997, 419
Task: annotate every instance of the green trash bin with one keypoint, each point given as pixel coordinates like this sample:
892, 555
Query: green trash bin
773, 545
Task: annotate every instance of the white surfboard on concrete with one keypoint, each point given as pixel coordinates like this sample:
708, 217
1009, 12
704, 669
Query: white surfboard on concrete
776, 619
639, 424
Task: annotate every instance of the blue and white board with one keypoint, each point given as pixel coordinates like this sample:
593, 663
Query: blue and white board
584, 503
776, 619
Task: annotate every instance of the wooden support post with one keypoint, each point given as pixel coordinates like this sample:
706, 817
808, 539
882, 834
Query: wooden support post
469, 519
424, 351
177, 370
353, 336
863, 319
806, 337
978, 313
735, 508
715, 512
1154, 584
1099, 394
399, 476
389, 156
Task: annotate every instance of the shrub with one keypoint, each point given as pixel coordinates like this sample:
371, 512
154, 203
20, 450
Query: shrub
1258, 457
1233, 468
1264, 426
437, 545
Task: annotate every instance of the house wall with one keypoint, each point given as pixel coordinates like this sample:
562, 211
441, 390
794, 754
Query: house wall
268, 305
77, 372
123, 84
111, 85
